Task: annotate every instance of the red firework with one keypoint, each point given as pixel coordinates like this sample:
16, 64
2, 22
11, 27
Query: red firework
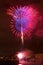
32, 16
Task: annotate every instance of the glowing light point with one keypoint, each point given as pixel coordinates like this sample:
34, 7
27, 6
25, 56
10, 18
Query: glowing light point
20, 55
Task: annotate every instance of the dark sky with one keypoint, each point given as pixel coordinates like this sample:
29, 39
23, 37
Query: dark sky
9, 44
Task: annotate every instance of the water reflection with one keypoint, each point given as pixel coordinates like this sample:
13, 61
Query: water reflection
20, 64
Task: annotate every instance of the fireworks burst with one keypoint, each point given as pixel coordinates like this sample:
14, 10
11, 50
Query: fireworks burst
23, 21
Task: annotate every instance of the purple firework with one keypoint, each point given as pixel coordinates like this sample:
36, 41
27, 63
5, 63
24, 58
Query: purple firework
25, 17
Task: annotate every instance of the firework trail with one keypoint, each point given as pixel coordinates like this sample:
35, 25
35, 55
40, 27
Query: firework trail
22, 35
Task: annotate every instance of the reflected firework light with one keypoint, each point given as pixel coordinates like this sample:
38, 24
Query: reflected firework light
19, 64
23, 21
24, 54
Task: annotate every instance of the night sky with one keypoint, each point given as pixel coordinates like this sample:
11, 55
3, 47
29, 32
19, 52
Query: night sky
8, 43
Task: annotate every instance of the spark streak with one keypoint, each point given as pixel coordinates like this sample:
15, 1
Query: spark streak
22, 35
